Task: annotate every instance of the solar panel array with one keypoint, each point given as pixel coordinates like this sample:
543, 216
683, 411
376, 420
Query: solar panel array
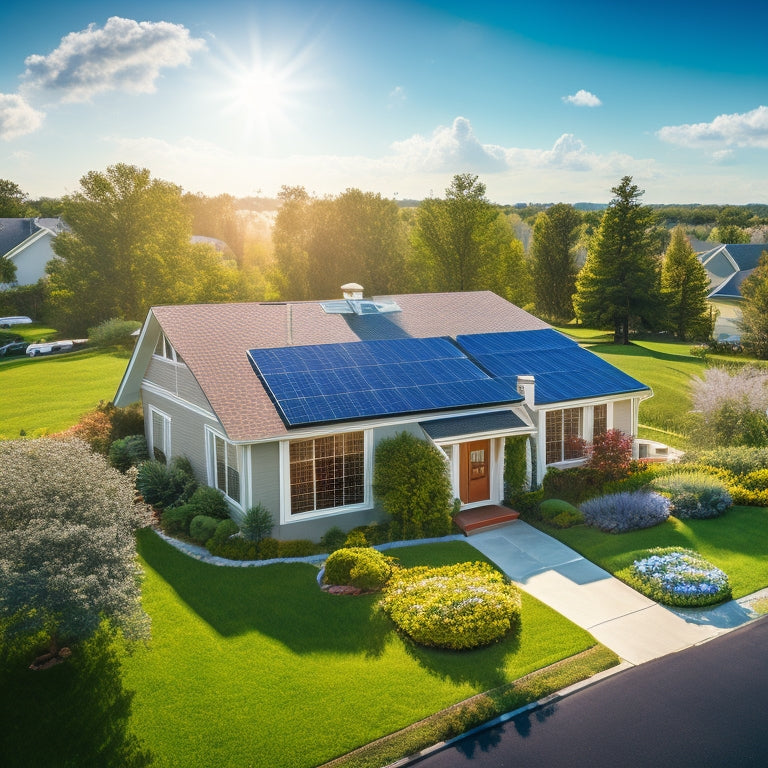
561, 368
365, 379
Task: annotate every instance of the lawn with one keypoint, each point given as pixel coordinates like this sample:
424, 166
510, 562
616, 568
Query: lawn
257, 667
736, 543
50, 394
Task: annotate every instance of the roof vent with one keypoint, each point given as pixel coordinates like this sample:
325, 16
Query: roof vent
352, 291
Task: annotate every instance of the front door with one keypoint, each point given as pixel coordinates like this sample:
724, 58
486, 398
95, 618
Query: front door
475, 470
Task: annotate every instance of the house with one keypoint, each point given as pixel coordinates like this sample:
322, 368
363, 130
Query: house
727, 267
28, 244
284, 403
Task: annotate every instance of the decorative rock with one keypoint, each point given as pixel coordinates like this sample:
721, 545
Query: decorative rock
341, 589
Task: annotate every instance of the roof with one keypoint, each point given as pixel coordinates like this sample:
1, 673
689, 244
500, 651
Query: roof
214, 341
13, 232
474, 424
742, 258
562, 370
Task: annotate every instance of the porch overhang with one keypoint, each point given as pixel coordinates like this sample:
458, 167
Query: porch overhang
491, 423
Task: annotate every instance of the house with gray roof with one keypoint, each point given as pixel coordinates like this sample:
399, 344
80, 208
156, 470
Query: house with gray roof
284, 403
27, 243
728, 266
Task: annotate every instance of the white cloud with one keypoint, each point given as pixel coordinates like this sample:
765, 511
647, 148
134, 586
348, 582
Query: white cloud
397, 96
123, 55
747, 129
17, 117
583, 98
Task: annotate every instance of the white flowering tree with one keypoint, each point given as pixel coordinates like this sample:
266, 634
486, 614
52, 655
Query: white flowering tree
67, 546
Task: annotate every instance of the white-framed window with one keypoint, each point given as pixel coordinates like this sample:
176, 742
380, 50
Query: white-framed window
224, 466
160, 435
328, 473
165, 350
599, 420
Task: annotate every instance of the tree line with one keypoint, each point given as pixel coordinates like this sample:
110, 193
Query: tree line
128, 247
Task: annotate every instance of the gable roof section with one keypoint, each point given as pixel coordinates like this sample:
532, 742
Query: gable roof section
13, 232
743, 258
328, 383
562, 370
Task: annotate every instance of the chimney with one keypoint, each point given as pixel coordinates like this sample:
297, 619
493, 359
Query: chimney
526, 387
352, 291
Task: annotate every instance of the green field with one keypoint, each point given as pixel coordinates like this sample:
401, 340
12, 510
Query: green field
46, 395
256, 667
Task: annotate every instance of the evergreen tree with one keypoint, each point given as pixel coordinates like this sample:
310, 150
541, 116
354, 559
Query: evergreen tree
553, 262
463, 243
619, 284
754, 311
685, 285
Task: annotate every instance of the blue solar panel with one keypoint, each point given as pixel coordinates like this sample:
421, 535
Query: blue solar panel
365, 379
562, 370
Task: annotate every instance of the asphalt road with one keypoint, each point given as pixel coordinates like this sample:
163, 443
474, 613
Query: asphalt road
704, 706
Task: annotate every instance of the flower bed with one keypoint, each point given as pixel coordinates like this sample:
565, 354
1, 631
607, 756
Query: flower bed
626, 511
457, 607
679, 577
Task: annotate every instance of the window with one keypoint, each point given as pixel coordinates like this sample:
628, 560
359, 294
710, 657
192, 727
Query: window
225, 466
327, 472
563, 433
600, 423
164, 349
160, 435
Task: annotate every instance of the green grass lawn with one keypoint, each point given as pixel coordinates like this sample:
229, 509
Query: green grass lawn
49, 394
736, 543
257, 667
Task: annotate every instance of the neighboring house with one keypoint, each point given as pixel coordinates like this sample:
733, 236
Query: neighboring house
284, 403
28, 244
727, 267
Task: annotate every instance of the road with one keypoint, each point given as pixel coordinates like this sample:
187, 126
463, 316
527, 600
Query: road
704, 706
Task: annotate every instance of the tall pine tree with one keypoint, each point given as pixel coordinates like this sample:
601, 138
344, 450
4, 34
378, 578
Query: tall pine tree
619, 284
684, 286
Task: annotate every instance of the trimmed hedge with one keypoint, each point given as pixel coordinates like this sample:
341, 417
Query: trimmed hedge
628, 511
574, 484
202, 528
361, 567
560, 514
211, 502
457, 607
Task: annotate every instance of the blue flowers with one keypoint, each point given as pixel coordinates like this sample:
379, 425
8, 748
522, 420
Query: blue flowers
678, 577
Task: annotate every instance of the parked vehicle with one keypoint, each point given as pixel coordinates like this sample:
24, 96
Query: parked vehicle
7, 322
49, 348
14, 348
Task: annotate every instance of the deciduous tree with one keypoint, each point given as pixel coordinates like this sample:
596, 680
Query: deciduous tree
553, 261
67, 547
14, 202
619, 284
685, 285
754, 310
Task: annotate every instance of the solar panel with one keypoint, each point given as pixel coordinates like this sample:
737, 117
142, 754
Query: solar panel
365, 379
561, 368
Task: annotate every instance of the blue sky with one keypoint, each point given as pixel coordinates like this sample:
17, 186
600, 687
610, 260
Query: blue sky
546, 102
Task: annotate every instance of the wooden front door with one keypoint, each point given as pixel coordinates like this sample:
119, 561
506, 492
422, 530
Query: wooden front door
475, 471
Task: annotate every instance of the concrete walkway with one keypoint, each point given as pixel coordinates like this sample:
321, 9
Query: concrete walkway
631, 625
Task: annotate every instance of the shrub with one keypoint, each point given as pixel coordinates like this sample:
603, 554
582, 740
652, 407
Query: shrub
107, 423
527, 504
457, 606
333, 539
235, 548
257, 524
113, 333
202, 528
740, 460
574, 484
296, 548
224, 529
362, 567
560, 514
412, 485
515, 469
176, 520
162, 486
610, 455
694, 495
128, 452
268, 548
210, 502
756, 480
626, 511
678, 577
356, 538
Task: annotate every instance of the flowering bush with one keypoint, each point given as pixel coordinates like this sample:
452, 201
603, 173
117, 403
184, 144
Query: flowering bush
626, 511
694, 495
677, 577
611, 454
456, 606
